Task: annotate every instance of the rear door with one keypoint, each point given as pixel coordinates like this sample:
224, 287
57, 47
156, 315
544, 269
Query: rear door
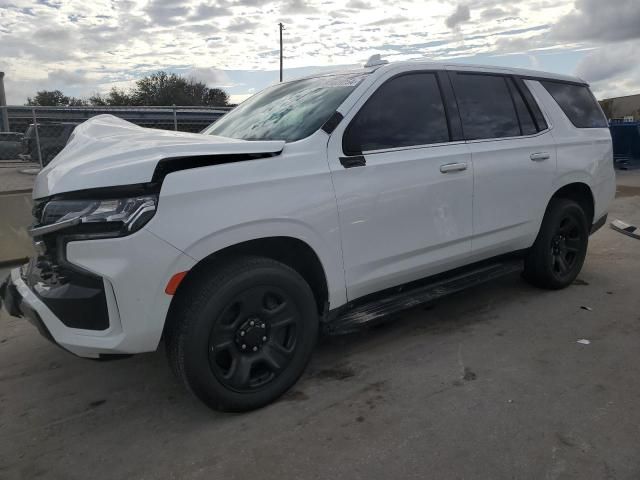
514, 158
404, 181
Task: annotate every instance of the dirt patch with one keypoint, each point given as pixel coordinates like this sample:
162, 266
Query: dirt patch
375, 386
627, 191
338, 373
469, 374
295, 396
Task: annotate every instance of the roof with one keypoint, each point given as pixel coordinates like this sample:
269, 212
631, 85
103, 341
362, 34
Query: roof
484, 68
417, 64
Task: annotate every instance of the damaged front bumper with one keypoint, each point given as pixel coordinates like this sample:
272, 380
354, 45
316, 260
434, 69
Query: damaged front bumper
19, 301
97, 298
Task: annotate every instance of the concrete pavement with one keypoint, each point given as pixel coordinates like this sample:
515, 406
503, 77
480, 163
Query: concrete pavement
489, 384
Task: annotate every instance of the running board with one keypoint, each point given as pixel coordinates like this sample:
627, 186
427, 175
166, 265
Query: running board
354, 317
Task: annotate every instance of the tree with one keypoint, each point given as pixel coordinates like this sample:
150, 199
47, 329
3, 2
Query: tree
162, 88
54, 98
158, 89
115, 98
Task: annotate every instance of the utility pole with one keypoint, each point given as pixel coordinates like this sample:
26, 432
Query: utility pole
281, 29
4, 116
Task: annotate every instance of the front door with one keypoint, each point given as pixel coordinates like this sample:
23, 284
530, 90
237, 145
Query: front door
403, 188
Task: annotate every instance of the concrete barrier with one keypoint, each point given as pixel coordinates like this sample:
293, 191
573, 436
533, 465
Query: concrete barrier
15, 218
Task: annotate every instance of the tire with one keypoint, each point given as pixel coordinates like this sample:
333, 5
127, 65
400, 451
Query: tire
240, 336
557, 256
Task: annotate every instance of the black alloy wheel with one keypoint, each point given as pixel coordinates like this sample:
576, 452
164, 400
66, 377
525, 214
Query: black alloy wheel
253, 340
241, 332
557, 256
566, 245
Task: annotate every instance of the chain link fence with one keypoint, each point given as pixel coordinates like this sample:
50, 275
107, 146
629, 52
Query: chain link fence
35, 135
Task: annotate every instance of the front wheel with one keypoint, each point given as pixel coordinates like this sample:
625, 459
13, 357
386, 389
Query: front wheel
557, 256
242, 335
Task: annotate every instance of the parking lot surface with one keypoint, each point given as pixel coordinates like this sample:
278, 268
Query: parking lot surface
490, 383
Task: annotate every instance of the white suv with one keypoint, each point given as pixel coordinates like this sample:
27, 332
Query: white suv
322, 203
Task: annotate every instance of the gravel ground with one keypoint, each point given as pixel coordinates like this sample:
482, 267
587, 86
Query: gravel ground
489, 383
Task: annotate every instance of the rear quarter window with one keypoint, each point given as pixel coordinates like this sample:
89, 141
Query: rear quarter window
578, 104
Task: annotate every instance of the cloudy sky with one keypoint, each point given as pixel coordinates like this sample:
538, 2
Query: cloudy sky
82, 47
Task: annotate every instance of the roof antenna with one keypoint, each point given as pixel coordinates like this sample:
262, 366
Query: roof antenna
374, 61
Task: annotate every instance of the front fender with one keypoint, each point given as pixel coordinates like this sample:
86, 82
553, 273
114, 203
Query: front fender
204, 210
278, 227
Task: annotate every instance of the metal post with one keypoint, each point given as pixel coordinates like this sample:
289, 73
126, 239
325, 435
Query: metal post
175, 119
4, 115
35, 127
281, 29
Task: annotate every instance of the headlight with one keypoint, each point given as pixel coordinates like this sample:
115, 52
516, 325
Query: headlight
121, 216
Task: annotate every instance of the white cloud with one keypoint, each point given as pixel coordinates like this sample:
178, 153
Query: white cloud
358, 4
296, 7
81, 46
605, 63
68, 78
601, 20
460, 15
609, 70
213, 77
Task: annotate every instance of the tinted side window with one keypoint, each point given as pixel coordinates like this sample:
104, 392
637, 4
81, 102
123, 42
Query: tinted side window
577, 103
486, 107
527, 124
531, 102
405, 111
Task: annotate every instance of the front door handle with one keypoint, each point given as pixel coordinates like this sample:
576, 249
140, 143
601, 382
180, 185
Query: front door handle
453, 167
540, 156
353, 161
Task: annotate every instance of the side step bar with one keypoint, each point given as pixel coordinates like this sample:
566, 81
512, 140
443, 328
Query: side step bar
355, 316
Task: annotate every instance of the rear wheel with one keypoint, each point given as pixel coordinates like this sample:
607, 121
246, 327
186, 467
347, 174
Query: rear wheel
241, 336
559, 251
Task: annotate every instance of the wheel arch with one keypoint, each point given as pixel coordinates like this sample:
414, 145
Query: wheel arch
579, 192
291, 251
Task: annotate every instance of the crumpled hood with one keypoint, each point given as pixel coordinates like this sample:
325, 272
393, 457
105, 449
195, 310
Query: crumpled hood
107, 151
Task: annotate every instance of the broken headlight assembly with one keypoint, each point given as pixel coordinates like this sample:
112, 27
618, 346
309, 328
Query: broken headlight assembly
100, 217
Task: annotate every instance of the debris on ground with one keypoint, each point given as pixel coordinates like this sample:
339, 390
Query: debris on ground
626, 229
589, 309
584, 341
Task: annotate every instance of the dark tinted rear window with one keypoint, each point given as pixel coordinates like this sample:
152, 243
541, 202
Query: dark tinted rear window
486, 107
577, 103
527, 123
405, 111
531, 103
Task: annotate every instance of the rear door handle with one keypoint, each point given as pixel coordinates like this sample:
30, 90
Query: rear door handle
540, 156
453, 167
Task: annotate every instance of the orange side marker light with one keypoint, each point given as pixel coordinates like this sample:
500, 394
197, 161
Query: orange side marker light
174, 282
